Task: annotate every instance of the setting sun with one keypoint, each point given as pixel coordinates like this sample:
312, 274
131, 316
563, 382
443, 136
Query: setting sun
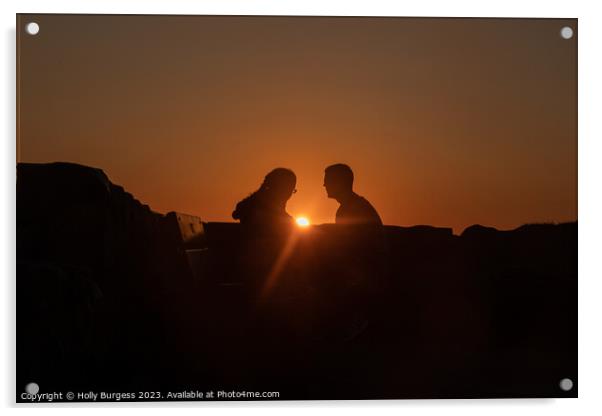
302, 222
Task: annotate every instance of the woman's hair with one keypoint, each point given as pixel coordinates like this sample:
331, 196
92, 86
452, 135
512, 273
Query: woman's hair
279, 179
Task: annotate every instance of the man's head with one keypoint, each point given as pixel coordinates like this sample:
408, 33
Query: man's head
338, 180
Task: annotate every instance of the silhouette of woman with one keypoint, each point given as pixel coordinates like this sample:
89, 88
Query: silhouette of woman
267, 205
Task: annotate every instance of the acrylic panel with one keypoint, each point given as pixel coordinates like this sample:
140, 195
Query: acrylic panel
295, 207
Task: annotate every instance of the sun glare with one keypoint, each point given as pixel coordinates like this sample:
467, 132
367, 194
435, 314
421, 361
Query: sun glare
302, 222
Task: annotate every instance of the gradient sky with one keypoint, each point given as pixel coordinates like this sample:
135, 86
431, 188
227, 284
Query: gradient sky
448, 122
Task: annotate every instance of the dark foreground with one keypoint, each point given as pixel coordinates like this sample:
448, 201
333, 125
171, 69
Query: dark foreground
112, 297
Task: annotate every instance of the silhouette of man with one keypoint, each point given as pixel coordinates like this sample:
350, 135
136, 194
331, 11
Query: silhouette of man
357, 258
354, 209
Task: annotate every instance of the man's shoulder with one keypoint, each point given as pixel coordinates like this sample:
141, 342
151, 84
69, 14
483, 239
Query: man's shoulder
362, 210
361, 202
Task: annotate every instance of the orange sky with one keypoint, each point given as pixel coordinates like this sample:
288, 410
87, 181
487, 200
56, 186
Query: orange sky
447, 122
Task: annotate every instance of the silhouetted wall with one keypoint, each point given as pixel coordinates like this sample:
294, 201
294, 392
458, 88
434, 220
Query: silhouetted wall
113, 296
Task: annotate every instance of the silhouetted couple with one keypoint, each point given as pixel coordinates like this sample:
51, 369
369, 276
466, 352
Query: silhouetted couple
267, 205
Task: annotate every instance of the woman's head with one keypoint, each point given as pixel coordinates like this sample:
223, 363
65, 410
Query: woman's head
279, 184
